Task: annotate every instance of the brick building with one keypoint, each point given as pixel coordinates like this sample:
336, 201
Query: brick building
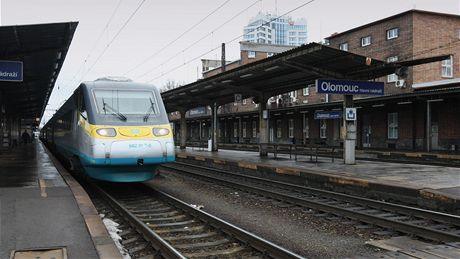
405, 36
419, 110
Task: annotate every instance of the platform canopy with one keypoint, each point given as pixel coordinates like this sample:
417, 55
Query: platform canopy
42, 49
282, 73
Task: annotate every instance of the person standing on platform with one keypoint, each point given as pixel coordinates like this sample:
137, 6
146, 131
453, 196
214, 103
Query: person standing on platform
25, 137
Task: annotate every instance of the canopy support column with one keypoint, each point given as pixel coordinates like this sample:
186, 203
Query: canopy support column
263, 126
214, 126
183, 129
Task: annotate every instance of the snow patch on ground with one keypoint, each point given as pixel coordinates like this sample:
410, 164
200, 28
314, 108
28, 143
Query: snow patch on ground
112, 228
198, 207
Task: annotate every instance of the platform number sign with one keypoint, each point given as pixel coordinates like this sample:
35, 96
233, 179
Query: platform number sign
350, 114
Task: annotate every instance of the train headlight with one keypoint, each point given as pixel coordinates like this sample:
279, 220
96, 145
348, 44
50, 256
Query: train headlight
107, 132
160, 132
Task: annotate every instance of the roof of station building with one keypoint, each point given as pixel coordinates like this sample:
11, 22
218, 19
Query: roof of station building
391, 18
281, 73
42, 49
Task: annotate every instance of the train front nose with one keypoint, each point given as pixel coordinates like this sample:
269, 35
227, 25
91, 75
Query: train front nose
146, 152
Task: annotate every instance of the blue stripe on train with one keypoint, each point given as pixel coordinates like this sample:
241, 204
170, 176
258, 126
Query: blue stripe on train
121, 173
93, 161
117, 169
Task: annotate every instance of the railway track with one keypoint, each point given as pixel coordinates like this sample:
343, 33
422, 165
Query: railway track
177, 230
426, 224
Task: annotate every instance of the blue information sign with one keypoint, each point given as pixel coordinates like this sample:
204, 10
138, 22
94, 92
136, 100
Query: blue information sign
327, 115
197, 111
332, 86
10, 71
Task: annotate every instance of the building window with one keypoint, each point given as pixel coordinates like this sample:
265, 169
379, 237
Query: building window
235, 129
244, 129
446, 67
366, 41
254, 129
291, 128
293, 94
344, 46
278, 129
393, 125
393, 77
251, 54
392, 33
306, 128
322, 128
244, 101
306, 91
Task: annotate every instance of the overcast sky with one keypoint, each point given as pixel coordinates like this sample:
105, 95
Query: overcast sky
158, 22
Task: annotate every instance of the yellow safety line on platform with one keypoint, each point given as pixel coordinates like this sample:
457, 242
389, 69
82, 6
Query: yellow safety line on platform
42, 184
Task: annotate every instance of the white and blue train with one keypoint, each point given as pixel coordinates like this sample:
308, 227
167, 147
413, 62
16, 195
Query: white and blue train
117, 130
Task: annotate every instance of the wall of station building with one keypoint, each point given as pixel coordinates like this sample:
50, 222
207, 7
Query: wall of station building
420, 35
391, 126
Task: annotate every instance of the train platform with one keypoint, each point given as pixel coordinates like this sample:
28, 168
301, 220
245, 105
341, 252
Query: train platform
46, 215
443, 158
429, 186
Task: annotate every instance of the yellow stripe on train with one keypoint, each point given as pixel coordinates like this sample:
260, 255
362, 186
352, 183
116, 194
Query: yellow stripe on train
125, 132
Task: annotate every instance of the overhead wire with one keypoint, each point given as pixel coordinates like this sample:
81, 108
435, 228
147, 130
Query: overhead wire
200, 39
230, 41
177, 38
114, 37
106, 27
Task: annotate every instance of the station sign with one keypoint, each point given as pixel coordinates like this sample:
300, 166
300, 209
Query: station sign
197, 111
350, 114
11, 71
328, 115
332, 86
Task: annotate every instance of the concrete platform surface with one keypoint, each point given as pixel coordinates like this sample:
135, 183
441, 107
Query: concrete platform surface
37, 209
439, 182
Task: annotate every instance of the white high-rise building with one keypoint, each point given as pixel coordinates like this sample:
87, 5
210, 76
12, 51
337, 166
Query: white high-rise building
270, 29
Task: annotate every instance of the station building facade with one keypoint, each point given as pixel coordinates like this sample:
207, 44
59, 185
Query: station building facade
418, 112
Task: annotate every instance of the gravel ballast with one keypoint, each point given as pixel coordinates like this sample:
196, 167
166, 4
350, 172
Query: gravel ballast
308, 233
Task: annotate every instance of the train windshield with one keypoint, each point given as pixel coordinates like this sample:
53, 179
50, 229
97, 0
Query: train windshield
126, 102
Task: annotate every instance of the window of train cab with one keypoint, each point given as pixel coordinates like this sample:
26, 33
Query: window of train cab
81, 105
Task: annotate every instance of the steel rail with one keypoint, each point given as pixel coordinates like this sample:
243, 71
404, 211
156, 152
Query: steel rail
404, 227
269, 249
163, 248
439, 216
166, 250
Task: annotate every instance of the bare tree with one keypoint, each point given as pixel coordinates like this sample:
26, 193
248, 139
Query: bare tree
170, 84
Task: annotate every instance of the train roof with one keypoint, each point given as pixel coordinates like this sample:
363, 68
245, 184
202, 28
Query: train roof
119, 82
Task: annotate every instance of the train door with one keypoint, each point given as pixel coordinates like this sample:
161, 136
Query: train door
367, 131
336, 132
272, 136
434, 127
434, 135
